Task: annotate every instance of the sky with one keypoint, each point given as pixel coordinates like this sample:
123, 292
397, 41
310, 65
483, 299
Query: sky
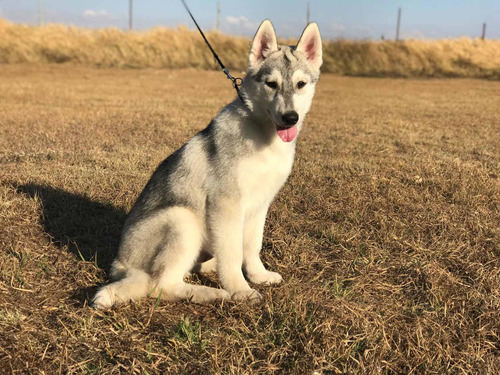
355, 19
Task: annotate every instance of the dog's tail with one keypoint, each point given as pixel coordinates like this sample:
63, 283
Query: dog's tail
134, 284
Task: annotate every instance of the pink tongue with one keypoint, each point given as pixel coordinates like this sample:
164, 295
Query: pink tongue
287, 135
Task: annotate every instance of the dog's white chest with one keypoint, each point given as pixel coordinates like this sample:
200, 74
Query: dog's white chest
263, 174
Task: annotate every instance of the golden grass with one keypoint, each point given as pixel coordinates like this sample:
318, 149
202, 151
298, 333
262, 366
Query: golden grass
169, 48
387, 233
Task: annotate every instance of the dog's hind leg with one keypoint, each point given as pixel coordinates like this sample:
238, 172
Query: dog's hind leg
155, 256
178, 255
208, 266
134, 285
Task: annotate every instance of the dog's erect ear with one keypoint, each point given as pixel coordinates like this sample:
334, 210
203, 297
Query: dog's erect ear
264, 42
310, 44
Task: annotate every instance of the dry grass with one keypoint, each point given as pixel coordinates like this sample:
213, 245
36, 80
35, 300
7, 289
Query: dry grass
387, 233
169, 48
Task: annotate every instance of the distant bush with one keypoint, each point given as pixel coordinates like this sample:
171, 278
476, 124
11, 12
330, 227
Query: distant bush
181, 48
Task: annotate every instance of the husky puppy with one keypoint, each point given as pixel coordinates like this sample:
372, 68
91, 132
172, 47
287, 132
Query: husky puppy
211, 196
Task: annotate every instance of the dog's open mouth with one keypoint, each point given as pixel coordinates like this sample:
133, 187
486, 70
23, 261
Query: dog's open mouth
287, 134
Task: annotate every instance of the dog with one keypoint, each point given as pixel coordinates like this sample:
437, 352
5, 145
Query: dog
209, 199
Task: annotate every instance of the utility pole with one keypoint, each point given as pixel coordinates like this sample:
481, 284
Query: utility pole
399, 23
130, 7
484, 31
40, 12
308, 12
218, 16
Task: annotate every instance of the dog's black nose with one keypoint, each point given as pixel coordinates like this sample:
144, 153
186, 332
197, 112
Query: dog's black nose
290, 118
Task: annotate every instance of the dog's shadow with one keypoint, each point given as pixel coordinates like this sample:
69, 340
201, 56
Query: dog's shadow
88, 229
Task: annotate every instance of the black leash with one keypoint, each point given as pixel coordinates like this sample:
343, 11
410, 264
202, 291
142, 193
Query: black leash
236, 81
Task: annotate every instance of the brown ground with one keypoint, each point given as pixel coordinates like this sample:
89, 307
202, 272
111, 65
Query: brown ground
387, 233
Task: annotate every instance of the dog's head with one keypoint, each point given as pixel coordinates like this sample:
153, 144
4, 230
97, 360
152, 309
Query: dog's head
281, 79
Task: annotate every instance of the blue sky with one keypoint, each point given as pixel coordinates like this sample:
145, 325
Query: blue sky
358, 19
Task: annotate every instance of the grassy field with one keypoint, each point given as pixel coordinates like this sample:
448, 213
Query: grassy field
387, 233
180, 48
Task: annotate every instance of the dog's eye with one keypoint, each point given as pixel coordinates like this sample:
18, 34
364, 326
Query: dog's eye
271, 84
301, 84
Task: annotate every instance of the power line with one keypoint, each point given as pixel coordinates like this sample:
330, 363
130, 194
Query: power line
399, 23
130, 6
218, 16
40, 12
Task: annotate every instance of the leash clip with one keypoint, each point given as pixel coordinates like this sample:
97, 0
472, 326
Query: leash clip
236, 81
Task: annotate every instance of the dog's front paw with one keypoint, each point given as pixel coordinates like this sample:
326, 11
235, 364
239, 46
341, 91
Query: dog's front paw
266, 278
250, 294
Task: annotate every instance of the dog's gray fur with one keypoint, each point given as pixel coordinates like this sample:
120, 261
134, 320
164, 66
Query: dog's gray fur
212, 195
